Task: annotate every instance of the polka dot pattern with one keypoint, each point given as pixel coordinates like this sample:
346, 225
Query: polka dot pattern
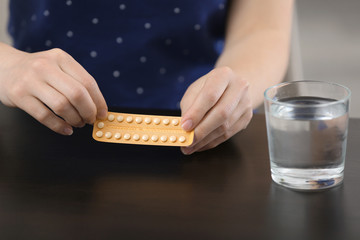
147, 62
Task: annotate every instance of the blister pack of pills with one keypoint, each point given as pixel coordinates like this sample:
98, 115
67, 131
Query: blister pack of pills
142, 129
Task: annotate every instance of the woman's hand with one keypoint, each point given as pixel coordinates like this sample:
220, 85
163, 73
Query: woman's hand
50, 86
216, 106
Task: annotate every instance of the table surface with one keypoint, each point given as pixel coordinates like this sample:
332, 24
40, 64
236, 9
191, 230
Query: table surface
57, 187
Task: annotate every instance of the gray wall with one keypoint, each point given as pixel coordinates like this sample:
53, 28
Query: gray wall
3, 20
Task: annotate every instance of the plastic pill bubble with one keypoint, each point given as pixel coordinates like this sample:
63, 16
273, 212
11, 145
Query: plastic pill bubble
99, 134
136, 137
145, 137
117, 135
175, 122
111, 117
108, 134
127, 136
138, 119
156, 121
101, 125
147, 120
163, 138
129, 119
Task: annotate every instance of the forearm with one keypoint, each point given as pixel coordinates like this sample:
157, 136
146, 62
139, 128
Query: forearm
260, 58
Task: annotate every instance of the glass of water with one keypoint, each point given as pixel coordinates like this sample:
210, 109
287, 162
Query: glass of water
307, 124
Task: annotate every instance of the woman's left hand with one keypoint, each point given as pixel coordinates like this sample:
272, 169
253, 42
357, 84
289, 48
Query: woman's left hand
216, 106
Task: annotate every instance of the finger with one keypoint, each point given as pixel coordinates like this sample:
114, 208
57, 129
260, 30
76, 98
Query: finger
214, 139
222, 112
209, 95
40, 112
191, 93
70, 66
76, 93
59, 104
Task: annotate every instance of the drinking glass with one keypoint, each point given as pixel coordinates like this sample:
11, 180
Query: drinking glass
307, 124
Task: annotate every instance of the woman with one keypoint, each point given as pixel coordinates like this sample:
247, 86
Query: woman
210, 58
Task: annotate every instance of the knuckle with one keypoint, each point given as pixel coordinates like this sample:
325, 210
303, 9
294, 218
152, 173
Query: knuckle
200, 134
89, 82
225, 127
39, 64
212, 96
57, 53
224, 71
60, 106
227, 134
224, 113
42, 115
77, 94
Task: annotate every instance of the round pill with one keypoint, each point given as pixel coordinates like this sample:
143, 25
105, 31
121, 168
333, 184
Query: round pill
147, 120
154, 138
163, 138
138, 119
172, 139
145, 137
127, 136
99, 134
117, 135
120, 118
108, 134
166, 121
100, 125
136, 137
129, 119
175, 122
111, 117
156, 121
182, 139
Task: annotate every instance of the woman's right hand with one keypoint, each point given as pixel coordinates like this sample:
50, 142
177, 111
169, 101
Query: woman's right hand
50, 86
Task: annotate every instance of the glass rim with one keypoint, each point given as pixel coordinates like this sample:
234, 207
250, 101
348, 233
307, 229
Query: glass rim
343, 100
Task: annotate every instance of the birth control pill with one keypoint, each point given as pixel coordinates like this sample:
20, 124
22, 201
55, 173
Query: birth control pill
136, 137
175, 122
138, 119
142, 129
117, 135
156, 121
145, 137
99, 134
120, 118
111, 117
129, 119
147, 120
108, 134
127, 136
100, 125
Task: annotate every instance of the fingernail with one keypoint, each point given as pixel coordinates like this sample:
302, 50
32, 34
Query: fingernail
102, 114
68, 131
187, 125
187, 151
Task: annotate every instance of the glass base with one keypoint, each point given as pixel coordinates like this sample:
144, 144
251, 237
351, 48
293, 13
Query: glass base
308, 179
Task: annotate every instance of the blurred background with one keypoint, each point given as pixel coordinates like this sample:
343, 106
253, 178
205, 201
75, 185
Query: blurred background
326, 43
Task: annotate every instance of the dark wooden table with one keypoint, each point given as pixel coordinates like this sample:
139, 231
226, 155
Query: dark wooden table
56, 187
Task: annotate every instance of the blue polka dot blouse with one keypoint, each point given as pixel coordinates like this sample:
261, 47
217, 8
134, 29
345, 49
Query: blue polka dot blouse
143, 54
